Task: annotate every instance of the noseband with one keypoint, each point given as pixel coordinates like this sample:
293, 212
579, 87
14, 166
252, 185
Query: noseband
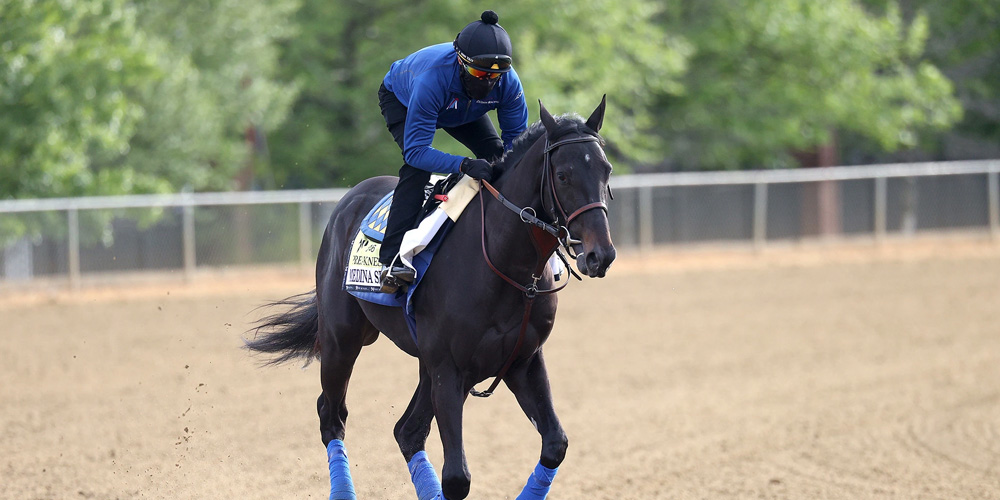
545, 236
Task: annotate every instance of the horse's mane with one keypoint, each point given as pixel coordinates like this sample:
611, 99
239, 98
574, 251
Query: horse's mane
567, 124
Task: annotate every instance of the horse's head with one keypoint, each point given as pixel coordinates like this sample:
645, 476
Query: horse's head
576, 176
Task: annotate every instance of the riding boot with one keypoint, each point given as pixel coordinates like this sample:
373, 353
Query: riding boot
406, 202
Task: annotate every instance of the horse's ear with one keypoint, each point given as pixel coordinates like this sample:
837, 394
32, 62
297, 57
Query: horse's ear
547, 119
597, 118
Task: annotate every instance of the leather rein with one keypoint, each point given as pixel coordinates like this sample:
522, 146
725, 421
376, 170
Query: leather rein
545, 237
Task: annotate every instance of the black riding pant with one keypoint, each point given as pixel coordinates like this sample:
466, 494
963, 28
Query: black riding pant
479, 136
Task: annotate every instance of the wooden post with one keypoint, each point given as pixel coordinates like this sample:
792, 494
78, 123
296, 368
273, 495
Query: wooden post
881, 194
189, 248
73, 244
645, 218
994, 197
759, 215
305, 235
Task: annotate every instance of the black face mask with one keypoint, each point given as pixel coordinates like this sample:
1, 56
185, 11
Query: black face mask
477, 88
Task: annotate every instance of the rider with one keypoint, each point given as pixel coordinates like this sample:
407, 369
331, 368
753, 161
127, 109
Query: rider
449, 86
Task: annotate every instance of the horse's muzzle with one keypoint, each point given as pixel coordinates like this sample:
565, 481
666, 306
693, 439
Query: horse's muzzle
594, 262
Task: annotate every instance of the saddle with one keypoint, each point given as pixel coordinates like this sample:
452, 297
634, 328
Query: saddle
445, 199
374, 224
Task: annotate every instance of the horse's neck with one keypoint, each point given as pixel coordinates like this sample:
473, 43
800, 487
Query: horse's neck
521, 183
507, 234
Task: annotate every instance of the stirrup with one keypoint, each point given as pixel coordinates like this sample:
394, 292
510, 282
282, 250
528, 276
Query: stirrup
403, 274
387, 282
392, 278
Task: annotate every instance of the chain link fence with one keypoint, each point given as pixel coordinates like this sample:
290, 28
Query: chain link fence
79, 239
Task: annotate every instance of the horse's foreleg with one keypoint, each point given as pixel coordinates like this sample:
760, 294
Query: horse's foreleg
530, 385
411, 434
448, 393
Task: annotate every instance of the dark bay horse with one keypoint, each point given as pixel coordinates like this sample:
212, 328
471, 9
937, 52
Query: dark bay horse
479, 313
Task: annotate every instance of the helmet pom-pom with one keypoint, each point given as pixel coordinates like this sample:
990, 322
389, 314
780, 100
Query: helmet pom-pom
490, 17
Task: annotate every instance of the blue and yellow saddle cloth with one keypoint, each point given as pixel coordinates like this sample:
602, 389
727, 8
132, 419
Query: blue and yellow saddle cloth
361, 278
373, 225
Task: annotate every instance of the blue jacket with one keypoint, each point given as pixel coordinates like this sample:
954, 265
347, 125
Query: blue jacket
429, 84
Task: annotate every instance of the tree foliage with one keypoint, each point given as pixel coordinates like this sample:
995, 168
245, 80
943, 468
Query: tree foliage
102, 97
770, 77
568, 53
964, 42
116, 96
69, 84
111, 96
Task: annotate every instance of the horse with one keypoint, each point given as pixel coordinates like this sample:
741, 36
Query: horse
554, 182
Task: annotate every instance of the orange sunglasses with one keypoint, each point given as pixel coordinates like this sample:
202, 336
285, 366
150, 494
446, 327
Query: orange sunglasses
480, 74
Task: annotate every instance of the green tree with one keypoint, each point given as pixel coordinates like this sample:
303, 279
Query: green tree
218, 62
70, 79
568, 53
335, 134
964, 42
572, 52
770, 77
115, 96
110, 96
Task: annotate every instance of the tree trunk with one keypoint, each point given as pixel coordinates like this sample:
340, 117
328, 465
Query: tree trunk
821, 205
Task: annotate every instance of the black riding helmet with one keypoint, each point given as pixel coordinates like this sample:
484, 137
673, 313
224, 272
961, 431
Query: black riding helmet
484, 45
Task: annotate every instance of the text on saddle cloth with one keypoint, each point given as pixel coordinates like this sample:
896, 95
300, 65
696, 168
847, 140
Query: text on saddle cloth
363, 266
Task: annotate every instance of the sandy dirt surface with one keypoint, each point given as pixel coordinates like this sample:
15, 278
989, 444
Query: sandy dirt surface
820, 373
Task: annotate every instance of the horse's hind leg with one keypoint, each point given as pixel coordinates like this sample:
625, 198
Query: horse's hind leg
411, 434
530, 384
342, 332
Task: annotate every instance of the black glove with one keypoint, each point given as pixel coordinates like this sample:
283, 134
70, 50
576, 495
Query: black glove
477, 169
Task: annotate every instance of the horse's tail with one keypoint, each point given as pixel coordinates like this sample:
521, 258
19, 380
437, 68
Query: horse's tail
288, 335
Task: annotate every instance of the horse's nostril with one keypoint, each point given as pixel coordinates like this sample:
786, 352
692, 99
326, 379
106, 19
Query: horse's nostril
593, 262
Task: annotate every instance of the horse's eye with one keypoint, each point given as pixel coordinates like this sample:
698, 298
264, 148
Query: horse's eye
561, 176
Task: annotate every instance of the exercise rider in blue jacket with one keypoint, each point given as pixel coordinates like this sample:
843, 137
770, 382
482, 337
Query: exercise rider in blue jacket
450, 86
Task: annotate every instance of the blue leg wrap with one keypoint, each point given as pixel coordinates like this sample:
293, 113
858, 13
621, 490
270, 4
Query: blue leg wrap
341, 486
538, 484
424, 479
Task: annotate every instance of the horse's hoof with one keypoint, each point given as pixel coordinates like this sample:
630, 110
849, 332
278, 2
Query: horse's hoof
455, 488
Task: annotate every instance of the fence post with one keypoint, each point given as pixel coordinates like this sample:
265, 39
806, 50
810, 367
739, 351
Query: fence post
645, 218
881, 194
759, 215
305, 235
994, 197
73, 250
188, 235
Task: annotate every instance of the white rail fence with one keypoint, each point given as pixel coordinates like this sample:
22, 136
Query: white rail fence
74, 238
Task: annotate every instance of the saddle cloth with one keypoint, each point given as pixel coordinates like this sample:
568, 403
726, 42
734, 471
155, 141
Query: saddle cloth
361, 278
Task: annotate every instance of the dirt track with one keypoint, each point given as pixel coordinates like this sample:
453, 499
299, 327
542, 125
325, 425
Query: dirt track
799, 375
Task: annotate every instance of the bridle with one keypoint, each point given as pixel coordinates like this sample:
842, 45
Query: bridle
545, 237
548, 174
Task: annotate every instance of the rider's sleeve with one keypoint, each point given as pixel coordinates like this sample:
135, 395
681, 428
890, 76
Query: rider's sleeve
513, 111
421, 123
